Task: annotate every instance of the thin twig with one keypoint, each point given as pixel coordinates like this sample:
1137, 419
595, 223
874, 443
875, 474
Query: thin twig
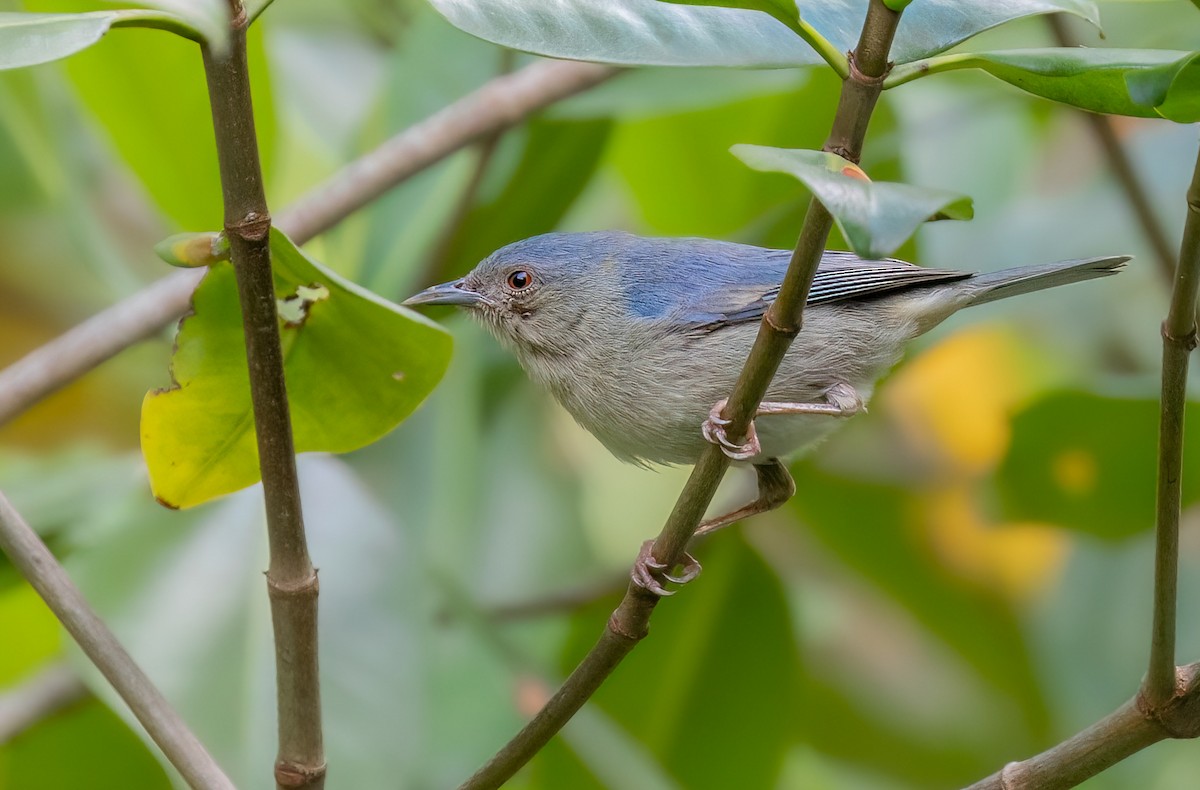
1118, 160
499, 104
35, 562
1179, 338
1129, 729
291, 578
630, 622
54, 689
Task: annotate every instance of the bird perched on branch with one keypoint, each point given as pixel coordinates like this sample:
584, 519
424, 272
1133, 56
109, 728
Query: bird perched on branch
641, 339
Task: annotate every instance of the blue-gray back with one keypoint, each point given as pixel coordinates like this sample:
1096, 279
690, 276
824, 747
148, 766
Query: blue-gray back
707, 284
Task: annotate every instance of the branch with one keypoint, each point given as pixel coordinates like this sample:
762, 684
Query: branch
630, 622
498, 105
1118, 161
35, 562
291, 578
1179, 338
1131, 728
53, 689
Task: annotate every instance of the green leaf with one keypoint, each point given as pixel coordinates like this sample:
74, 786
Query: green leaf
786, 12
27, 39
104, 753
356, 366
652, 33
209, 19
30, 39
1173, 89
1063, 470
1100, 80
875, 217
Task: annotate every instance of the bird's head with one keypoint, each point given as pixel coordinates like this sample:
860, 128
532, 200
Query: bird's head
534, 294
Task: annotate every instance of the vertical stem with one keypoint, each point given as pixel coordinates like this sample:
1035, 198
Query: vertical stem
1179, 338
291, 578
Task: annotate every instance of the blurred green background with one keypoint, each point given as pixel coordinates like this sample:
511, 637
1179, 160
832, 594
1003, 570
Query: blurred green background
963, 578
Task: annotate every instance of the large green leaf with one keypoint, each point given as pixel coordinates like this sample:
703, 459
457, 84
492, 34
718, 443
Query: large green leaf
29, 39
1064, 468
649, 33
1173, 89
356, 366
1119, 81
875, 217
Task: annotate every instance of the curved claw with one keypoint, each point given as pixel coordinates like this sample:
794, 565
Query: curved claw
647, 570
714, 431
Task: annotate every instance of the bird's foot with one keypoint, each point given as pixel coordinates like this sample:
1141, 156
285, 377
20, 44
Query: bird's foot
714, 431
648, 571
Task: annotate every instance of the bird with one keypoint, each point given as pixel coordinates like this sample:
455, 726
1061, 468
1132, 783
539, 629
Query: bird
641, 339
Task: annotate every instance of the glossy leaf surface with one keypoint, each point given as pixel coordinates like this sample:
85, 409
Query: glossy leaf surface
1138, 82
875, 217
648, 32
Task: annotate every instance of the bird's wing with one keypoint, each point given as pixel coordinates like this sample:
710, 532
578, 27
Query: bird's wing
841, 276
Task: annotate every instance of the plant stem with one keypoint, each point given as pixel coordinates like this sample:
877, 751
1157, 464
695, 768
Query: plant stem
291, 578
1118, 160
1129, 729
1179, 338
500, 104
35, 562
630, 622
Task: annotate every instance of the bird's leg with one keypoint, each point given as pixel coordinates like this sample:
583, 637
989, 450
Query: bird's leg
775, 486
648, 572
841, 400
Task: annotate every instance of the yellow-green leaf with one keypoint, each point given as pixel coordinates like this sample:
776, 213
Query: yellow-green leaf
356, 366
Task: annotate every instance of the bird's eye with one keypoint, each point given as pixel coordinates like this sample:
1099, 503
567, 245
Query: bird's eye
520, 280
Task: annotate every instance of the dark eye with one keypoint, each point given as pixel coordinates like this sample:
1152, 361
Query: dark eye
520, 280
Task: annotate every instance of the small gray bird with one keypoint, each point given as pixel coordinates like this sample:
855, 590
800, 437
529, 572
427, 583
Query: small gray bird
641, 339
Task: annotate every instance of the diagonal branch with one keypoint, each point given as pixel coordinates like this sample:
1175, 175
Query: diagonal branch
35, 562
630, 622
498, 105
1129, 729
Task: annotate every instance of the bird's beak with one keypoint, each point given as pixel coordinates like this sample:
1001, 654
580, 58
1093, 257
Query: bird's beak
456, 293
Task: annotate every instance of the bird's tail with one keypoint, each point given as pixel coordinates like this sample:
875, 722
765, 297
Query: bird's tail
989, 287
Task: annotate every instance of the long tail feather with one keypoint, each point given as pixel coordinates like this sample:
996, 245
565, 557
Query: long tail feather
989, 287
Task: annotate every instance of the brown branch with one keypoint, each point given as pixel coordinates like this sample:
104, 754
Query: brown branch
1179, 338
291, 578
1131, 728
497, 105
35, 562
630, 622
1118, 160
50, 691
